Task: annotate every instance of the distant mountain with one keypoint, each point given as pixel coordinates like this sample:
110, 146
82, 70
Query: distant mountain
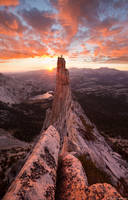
86, 78
17, 87
99, 71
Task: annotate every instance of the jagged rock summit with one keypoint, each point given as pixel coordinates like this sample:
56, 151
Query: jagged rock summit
71, 160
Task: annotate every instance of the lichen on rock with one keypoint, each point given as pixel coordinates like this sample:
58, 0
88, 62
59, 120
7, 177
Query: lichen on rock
37, 179
72, 180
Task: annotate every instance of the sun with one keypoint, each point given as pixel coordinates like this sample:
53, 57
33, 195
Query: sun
50, 68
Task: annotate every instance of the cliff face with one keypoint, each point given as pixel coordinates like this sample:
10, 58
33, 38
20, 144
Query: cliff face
62, 101
85, 158
62, 93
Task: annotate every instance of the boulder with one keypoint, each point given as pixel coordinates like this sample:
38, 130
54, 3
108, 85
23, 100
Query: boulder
102, 191
72, 180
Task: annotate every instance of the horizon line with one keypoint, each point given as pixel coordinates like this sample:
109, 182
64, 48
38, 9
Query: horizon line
32, 70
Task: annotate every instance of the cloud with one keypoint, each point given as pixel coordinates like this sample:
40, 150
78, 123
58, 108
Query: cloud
9, 2
12, 48
50, 36
101, 20
72, 13
101, 26
19, 41
119, 60
112, 51
10, 24
39, 20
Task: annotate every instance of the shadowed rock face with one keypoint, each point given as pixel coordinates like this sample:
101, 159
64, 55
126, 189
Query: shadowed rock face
37, 179
72, 180
73, 185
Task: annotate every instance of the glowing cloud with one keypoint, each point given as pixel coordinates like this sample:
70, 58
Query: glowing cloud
9, 2
91, 31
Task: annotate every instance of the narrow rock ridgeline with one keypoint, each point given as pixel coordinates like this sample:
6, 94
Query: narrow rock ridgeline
37, 179
71, 160
57, 116
62, 91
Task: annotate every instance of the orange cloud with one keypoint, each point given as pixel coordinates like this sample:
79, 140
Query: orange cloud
14, 25
112, 51
12, 48
95, 41
10, 24
106, 32
40, 21
67, 17
119, 52
85, 50
9, 2
36, 31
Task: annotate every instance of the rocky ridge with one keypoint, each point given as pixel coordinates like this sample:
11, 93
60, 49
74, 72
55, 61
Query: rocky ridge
81, 135
37, 178
78, 145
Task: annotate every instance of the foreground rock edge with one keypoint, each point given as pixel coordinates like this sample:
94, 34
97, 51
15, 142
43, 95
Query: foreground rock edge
37, 178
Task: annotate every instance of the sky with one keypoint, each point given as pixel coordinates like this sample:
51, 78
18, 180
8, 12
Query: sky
88, 33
